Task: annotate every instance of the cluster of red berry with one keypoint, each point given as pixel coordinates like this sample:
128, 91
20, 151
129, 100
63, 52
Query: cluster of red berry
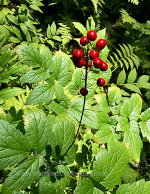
92, 56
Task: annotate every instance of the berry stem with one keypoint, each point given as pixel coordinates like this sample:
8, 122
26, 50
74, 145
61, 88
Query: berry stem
86, 74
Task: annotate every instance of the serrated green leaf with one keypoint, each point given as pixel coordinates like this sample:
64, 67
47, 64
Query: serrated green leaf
121, 77
132, 107
40, 94
86, 186
23, 175
80, 27
145, 124
55, 182
123, 124
35, 76
110, 167
30, 55
133, 88
102, 102
138, 187
10, 92
132, 76
61, 71
14, 146
46, 57
114, 95
37, 129
64, 132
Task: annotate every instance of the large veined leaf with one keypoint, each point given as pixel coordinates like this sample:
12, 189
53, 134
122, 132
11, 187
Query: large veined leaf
102, 102
138, 187
132, 107
80, 27
86, 186
114, 95
23, 175
55, 182
145, 124
10, 92
35, 76
30, 55
64, 131
131, 137
14, 146
110, 167
61, 71
40, 94
75, 110
37, 129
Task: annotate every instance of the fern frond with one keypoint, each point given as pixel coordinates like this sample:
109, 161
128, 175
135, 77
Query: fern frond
127, 18
136, 2
65, 33
124, 56
96, 3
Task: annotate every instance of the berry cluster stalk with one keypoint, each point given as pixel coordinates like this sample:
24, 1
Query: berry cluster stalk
86, 73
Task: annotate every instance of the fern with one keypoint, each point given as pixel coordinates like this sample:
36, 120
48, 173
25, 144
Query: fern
96, 3
127, 18
136, 2
65, 33
124, 57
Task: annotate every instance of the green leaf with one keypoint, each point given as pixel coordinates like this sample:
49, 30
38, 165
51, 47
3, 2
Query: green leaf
145, 124
14, 146
64, 131
86, 186
102, 101
10, 92
13, 19
110, 167
61, 71
53, 28
143, 78
49, 35
132, 107
25, 31
35, 76
114, 95
123, 124
132, 76
133, 88
30, 55
40, 94
133, 141
37, 129
137, 187
81, 28
46, 57
14, 40
5, 57
23, 175
121, 77
56, 182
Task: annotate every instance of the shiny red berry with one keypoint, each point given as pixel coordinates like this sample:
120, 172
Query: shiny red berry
92, 35
97, 62
83, 91
81, 63
100, 82
101, 43
94, 54
78, 54
84, 40
103, 66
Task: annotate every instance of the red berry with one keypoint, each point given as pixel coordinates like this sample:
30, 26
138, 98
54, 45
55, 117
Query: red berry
94, 54
83, 91
97, 62
84, 40
78, 54
92, 35
81, 63
101, 43
103, 66
100, 82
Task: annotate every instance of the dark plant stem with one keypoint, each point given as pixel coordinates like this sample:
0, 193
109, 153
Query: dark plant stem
83, 108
